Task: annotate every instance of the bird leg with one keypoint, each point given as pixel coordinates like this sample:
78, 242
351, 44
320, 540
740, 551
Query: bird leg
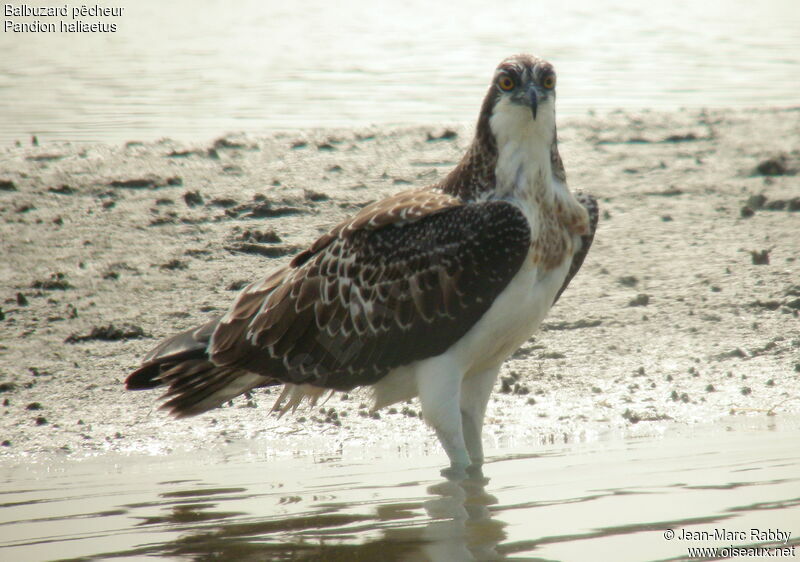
439, 389
475, 392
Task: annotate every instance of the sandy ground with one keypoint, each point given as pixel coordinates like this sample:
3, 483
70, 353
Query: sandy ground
673, 319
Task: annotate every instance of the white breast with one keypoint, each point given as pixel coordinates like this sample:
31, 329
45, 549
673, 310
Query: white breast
513, 318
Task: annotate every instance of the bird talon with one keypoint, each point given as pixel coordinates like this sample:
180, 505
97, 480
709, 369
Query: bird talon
475, 472
455, 473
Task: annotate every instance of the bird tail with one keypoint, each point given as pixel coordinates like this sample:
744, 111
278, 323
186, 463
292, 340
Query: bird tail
194, 383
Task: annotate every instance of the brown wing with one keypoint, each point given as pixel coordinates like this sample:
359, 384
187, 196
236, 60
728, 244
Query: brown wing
402, 281
399, 209
590, 203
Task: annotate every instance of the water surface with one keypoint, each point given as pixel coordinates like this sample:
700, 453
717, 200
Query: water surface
193, 70
607, 500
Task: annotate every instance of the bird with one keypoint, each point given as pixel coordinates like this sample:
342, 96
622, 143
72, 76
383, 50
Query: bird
422, 294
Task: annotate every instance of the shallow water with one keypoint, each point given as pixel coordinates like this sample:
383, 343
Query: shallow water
194, 70
607, 500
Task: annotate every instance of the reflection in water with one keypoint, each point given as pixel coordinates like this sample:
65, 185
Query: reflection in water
608, 500
462, 527
459, 527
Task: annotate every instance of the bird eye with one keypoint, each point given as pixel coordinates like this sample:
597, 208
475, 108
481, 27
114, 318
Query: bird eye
505, 82
549, 82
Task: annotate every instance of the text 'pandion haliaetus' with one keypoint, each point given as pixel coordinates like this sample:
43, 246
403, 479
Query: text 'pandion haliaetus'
424, 293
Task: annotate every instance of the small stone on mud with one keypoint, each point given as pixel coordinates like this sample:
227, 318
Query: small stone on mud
223, 142
521, 389
760, 257
224, 202
734, 353
315, 196
447, 134
150, 182
41, 420
62, 190
768, 305
58, 281
34, 406
267, 210
776, 166
174, 264
641, 299
631, 416
193, 198
262, 250
776, 205
109, 333
755, 202
687, 137
259, 236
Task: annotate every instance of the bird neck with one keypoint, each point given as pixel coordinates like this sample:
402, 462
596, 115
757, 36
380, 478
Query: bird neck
511, 157
474, 177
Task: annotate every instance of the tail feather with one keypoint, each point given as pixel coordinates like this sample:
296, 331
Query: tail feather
186, 346
293, 395
194, 383
224, 384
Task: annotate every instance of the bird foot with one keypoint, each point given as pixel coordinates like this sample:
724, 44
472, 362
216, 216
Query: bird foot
455, 473
475, 474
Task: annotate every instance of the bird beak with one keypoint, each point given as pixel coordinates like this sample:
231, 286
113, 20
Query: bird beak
533, 100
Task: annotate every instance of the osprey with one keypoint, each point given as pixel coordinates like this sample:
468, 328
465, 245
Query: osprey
424, 293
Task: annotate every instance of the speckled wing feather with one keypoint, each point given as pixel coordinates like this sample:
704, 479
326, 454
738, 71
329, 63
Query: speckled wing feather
399, 209
590, 204
404, 280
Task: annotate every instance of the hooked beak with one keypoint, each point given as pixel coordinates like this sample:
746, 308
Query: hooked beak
533, 99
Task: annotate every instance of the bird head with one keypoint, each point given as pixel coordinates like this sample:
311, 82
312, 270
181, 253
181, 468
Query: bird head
522, 97
517, 118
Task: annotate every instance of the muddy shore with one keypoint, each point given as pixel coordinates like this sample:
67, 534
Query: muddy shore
685, 311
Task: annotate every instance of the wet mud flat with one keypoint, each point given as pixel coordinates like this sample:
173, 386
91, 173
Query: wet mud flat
685, 311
